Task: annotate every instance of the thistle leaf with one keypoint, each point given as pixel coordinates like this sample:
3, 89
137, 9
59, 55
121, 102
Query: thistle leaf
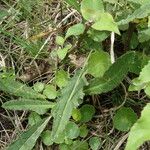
113, 76
16, 88
70, 97
28, 139
38, 106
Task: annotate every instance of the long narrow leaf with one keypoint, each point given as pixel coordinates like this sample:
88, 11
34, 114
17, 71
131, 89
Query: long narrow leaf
16, 88
28, 139
69, 99
38, 106
113, 76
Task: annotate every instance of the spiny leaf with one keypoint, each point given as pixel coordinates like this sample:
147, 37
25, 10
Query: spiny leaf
16, 88
68, 100
140, 132
28, 139
139, 13
39, 106
113, 76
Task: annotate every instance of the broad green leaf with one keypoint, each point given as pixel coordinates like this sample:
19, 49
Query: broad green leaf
74, 4
75, 30
124, 119
87, 112
16, 88
38, 86
95, 143
34, 118
46, 138
62, 52
50, 92
69, 99
60, 40
144, 35
140, 132
106, 23
83, 131
113, 76
28, 139
91, 9
39, 106
64, 147
98, 36
61, 78
98, 63
139, 13
145, 74
72, 130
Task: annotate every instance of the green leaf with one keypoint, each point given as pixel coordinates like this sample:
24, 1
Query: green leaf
79, 145
72, 130
62, 52
60, 40
64, 147
124, 119
38, 86
139, 13
98, 36
75, 30
91, 9
46, 138
33, 118
76, 114
69, 99
28, 139
50, 92
87, 112
147, 90
74, 4
83, 131
113, 76
98, 63
16, 88
136, 85
61, 78
39, 106
140, 132
95, 143
144, 35
106, 23
145, 74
